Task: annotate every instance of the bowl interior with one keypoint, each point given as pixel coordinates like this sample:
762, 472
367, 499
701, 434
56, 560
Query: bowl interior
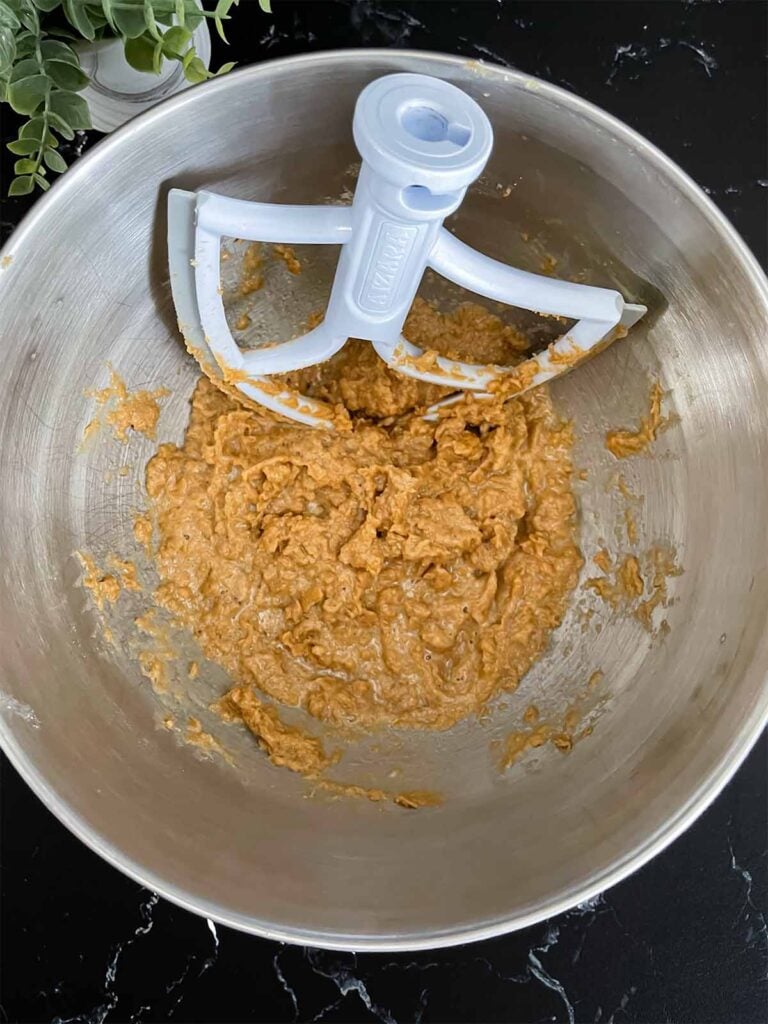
86, 285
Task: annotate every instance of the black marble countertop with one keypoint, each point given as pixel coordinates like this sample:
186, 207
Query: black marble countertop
686, 938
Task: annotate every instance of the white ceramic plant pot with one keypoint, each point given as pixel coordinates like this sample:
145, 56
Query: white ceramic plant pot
117, 92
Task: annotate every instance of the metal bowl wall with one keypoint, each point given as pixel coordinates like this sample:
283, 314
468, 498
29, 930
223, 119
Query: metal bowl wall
85, 284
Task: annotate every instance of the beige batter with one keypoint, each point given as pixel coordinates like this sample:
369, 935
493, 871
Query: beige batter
125, 410
399, 573
625, 585
626, 442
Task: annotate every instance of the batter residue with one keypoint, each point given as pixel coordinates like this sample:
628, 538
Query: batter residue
623, 584
126, 410
103, 586
623, 443
397, 573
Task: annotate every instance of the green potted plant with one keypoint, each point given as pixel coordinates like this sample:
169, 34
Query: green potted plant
47, 45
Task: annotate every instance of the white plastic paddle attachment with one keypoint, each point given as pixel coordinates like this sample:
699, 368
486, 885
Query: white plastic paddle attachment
422, 143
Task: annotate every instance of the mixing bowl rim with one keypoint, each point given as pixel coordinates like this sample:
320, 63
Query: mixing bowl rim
675, 823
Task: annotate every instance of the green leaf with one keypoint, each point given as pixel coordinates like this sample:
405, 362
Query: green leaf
98, 20
175, 41
266, 6
47, 5
27, 95
23, 147
24, 68
61, 32
66, 76
55, 161
72, 108
61, 126
77, 15
225, 68
27, 14
26, 43
149, 20
180, 12
192, 14
164, 14
221, 11
129, 18
140, 54
32, 129
21, 186
8, 19
195, 71
25, 166
109, 14
52, 49
7, 47
44, 185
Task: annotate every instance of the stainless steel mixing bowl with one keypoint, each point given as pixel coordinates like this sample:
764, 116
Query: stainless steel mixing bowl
84, 282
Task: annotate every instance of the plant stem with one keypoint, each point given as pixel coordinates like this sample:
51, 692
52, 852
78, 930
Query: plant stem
46, 110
